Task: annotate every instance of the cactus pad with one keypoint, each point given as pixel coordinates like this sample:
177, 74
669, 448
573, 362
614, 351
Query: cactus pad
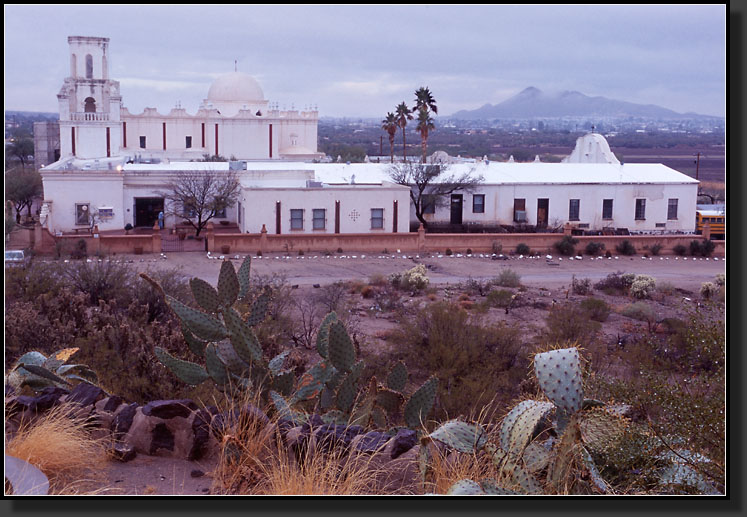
461, 436
559, 376
215, 368
341, 350
601, 428
466, 487
308, 387
397, 379
197, 346
346, 392
491, 488
519, 425
58, 358
200, 324
420, 403
284, 382
228, 284
535, 457
244, 276
242, 337
190, 373
228, 356
205, 295
277, 362
259, 310
390, 400
322, 336
40, 371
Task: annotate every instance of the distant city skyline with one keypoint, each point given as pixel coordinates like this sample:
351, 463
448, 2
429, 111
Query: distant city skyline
361, 61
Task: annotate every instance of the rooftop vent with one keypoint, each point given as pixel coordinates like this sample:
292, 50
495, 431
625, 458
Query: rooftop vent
313, 184
237, 165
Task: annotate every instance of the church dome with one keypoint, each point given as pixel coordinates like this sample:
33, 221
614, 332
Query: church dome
235, 87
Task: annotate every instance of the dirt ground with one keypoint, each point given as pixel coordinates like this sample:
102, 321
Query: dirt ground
556, 273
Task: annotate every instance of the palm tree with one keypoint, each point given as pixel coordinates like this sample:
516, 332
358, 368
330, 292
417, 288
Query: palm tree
424, 104
403, 115
389, 124
425, 125
424, 98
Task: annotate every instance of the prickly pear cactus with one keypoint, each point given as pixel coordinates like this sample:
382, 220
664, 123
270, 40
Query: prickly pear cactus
461, 436
519, 425
341, 349
420, 404
397, 379
189, 373
559, 376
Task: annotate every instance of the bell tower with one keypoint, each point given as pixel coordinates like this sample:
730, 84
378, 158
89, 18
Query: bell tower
90, 102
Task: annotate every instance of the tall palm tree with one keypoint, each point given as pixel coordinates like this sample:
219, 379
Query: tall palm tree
425, 125
403, 115
424, 98
389, 124
424, 104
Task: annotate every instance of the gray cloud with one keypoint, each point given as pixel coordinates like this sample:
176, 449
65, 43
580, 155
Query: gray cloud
362, 60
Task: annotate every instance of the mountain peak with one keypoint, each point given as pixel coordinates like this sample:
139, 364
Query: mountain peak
531, 91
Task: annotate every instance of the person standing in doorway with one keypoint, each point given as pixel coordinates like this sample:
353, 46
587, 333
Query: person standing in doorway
160, 220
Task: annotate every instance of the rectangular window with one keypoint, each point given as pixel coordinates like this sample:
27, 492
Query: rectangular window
429, 204
478, 204
377, 218
672, 209
607, 209
106, 212
520, 214
296, 219
574, 209
82, 213
319, 217
188, 142
640, 209
239, 212
142, 142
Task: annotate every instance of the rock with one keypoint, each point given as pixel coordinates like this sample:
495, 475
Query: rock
403, 441
168, 409
85, 394
201, 431
330, 436
123, 420
371, 442
197, 473
109, 404
122, 452
49, 397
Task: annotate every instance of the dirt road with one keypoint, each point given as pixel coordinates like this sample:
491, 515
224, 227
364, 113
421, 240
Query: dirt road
685, 272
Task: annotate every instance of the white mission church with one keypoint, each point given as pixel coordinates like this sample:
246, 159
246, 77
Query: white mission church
114, 163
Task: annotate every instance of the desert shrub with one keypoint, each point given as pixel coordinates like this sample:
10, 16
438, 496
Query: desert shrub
617, 281
105, 280
477, 364
387, 298
415, 279
708, 289
568, 323
643, 286
523, 249
475, 287
566, 246
656, 249
702, 248
448, 252
500, 298
377, 279
469, 251
80, 250
679, 249
367, 291
625, 248
582, 286
496, 248
640, 311
594, 248
26, 284
666, 288
332, 296
596, 309
720, 280
507, 278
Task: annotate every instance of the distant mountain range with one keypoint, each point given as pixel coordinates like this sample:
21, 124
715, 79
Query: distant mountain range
534, 103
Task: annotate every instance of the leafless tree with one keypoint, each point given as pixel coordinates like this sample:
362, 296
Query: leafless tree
431, 183
199, 196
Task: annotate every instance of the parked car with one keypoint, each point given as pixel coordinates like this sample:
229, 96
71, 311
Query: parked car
15, 258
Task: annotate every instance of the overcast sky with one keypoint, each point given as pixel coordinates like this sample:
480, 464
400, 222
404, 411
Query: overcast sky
360, 61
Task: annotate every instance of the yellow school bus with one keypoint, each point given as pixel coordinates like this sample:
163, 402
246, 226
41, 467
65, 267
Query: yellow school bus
715, 217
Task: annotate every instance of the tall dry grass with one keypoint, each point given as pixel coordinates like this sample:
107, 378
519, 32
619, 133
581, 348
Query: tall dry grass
59, 445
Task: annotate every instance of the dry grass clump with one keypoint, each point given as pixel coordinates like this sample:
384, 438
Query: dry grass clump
59, 445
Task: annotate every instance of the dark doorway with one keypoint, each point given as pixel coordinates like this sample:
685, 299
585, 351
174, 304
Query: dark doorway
542, 210
146, 210
456, 209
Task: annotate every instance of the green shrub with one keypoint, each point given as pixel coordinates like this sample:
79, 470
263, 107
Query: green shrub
619, 282
566, 246
721, 280
708, 289
596, 309
448, 252
497, 248
640, 311
80, 250
582, 286
625, 248
523, 249
594, 248
569, 323
643, 286
478, 363
656, 249
415, 279
702, 248
679, 249
500, 298
507, 278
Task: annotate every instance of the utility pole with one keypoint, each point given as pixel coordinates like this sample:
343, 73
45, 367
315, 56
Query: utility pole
381, 145
697, 166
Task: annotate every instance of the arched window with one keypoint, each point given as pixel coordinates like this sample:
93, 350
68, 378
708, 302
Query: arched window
90, 105
73, 66
89, 66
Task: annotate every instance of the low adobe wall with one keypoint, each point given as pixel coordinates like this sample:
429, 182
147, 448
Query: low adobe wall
437, 242
110, 244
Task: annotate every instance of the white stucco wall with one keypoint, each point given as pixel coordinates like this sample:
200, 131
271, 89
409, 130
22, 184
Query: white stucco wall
98, 189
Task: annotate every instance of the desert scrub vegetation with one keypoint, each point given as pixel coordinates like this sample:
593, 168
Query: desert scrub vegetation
642, 286
615, 283
569, 323
625, 248
566, 246
596, 309
59, 444
507, 278
594, 248
473, 359
415, 279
